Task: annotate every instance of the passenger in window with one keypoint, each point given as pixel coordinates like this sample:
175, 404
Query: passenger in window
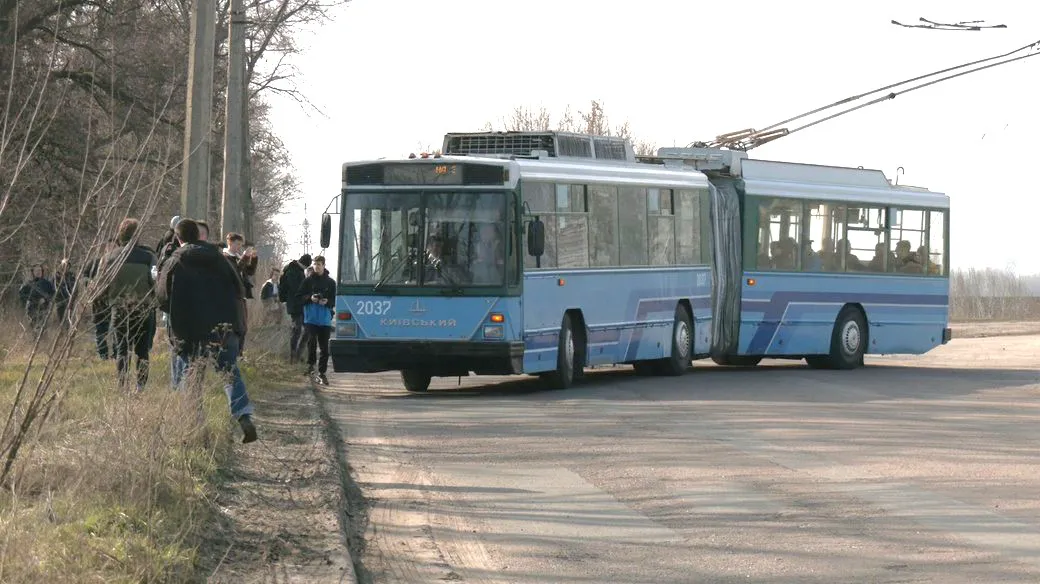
907, 261
787, 254
852, 263
830, 260
877, 263
813, 260
922, 255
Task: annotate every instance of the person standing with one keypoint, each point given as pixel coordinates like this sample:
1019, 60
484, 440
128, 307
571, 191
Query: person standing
289, 293
269, 298
64, 286
130, 298
36, 296
318, 296
99, 309
203, 295
244, 259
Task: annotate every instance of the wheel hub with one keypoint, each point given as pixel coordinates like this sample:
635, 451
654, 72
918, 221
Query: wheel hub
850, 337
682, 339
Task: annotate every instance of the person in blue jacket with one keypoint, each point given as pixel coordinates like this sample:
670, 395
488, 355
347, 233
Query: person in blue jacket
318, 296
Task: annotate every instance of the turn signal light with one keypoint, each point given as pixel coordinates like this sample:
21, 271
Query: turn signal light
343, 316
497, 318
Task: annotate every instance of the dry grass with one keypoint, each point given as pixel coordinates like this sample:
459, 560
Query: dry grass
115, 487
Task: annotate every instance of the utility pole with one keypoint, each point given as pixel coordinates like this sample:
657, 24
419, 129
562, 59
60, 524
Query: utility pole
233, 203
305, 238
195, 177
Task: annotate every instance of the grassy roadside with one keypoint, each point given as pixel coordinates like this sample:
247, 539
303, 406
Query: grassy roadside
115, 487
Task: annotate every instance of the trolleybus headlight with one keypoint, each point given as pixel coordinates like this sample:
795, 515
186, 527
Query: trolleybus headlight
493, 331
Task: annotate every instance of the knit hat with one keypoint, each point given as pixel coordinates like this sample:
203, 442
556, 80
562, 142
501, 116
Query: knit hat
305, 260
173, 222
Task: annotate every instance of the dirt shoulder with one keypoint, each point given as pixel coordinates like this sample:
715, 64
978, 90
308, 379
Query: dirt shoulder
280, 500
973, 330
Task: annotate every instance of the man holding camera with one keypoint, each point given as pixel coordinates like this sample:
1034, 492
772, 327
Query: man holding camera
318, 296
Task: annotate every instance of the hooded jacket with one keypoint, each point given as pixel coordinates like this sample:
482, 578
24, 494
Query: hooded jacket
132, 282
201, 291
289, 288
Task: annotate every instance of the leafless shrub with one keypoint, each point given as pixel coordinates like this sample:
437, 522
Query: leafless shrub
991, 294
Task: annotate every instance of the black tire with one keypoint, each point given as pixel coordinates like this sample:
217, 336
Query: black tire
818, 361
566, 357
416, 381
736, 360
682, 346
848, 340
645, 368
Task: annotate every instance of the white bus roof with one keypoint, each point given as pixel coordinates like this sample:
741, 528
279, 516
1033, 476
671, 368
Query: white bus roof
760, 177
812, 181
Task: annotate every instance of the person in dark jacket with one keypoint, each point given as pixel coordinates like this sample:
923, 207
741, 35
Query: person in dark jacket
289, 293
64, 286
99, 307
318, 296
36, 296
131, 300
203, 295
269, 298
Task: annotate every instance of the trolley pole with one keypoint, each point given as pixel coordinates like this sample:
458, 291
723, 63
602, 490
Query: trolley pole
197, 139
234, 203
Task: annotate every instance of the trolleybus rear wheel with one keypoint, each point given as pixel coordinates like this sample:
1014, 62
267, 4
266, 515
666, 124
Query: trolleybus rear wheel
416, 381
682, 345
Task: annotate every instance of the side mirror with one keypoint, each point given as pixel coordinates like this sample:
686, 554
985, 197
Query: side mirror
326, 230
535, 237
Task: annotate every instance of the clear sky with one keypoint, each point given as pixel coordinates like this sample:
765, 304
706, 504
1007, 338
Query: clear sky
392, 76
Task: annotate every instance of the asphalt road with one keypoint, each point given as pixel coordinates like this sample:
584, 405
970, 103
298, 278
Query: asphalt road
922, 469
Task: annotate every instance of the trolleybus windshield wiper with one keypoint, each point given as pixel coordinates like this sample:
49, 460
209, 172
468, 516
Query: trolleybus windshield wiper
393, 271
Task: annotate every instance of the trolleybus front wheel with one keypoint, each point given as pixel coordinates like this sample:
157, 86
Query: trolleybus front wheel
848, 342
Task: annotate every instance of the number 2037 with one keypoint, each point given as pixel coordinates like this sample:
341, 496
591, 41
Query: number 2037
377, 307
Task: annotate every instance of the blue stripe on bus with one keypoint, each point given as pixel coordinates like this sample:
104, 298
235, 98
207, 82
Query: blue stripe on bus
773, 309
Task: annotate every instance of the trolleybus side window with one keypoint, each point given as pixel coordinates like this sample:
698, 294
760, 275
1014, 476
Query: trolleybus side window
937, 243
603, 225
865, 227
540, 199
572, 227
779, 234
632, 211
660, 227
690, 237
908, 251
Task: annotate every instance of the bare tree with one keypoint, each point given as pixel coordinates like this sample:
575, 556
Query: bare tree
594, 122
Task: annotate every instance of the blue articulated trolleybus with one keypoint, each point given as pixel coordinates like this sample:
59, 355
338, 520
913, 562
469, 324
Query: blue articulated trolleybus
547, 253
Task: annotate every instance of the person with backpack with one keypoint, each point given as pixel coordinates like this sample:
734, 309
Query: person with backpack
318, 296
203, 295
130, 299
289, 293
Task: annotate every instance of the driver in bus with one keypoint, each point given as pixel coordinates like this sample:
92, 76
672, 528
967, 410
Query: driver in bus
435, 260
487, 266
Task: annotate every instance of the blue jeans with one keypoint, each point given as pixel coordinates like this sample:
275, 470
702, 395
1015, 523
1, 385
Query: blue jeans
225, 350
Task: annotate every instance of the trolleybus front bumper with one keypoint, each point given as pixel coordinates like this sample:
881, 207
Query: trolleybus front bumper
440, 358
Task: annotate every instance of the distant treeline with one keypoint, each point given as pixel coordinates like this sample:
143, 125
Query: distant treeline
991, 294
